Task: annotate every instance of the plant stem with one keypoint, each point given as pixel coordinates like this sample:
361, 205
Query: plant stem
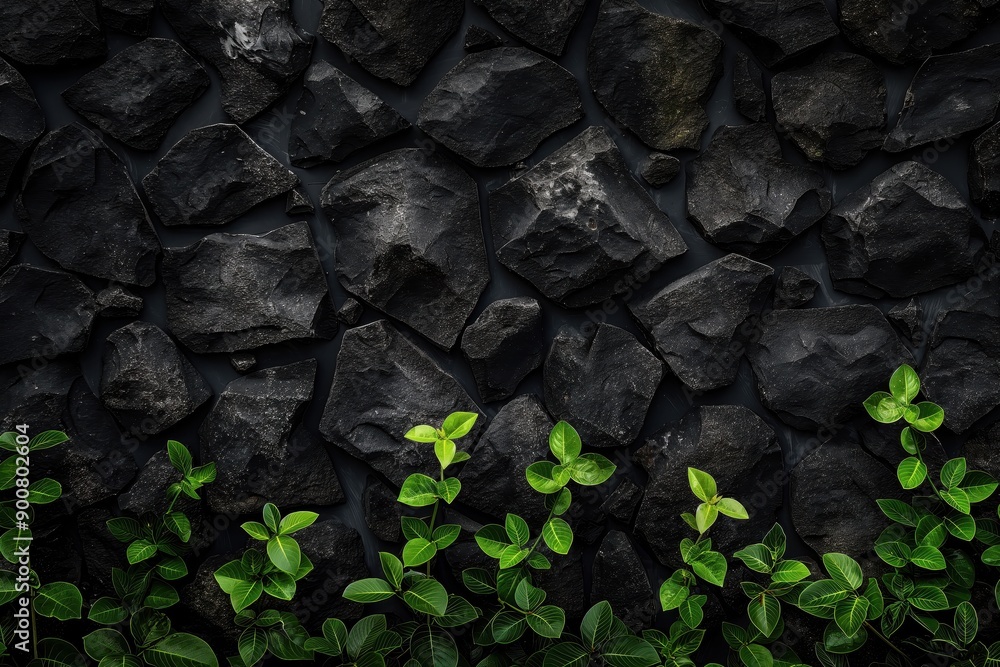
886, 640
434, 513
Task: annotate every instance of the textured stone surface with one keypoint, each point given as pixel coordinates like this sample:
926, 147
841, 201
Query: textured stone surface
116, 301
778, 30
148, 494
478, 38
909, 317
658, 169
620, 578
409, 240
21, 121
54, 33
748, 88
297, 202
128, 16
543, 25
578, 226
382, 511
242, 362
653, 73
622, 502
984, 171
794, 288
10, 246
350, 312
503, 345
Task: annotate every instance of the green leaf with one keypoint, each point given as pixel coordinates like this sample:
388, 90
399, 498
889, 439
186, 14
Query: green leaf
595, 629
566, 654
392, 568
547, 621
911, 472
367, 591
148, 625
629, 651
541, 479
538, 562
431, 647
775, 541
755, 655
245, 593
229, 575
178, 524
256, 530
161, 595
414, 527
898, 511
691, 610
271, 516
564, 442
445, 451
180, 457
732, 508
418, 491
789, 572
513, 555
850, 614
125, 529
702, 484
446, 534
876, 603
764, 612
478, 581
279, 585
836, 641
59, 599
757, 557
557, 535
449, 489
957, 498
180, 650
674, 591
927, 557
44, 491
904, 384
560, 501
822, 593
930, 531
46, 440
105, 642
517, 530
911, 440
928, 598
364, 632
296, 521
966, 623
930, 418
427, 596
418, 551
705, 516
992, 556
139, 551
335, 632
107, 611
422, 433
883, 408
492, 539
252, 645
711, 566
458, 613
978, 485
458, 424
953, 472
591, 469
284, 553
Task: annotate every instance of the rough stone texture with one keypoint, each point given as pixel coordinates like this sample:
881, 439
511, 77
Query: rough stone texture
503, 345
10, 245
794, 288
701, 322
242, 362
620, 578
350, 312
148, 494
658, 169
116, 301
833, 108
146, 382
815, 366
236, 292
21, 121
382, 511
776, 31
654, 73
255, 45
748, 88
564, 583
744, 197
137, 95
297, 202
410, 240
622, 502
382, 387
392, 40
909, 317
601, 381
949, 95
56, 33
128, 16
79, 207
495, 107
543, 25
908, 231
578, 226
209, 611
336, 116
984, 171
478, 39
101, 551
261, 451
213, 175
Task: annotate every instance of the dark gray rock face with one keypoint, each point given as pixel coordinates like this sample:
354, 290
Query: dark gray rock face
51, 33
47, 314
235, 292
949, 95
815, 366
984, 172
833, 108
10, 245
148, 494
213, 175
543, 25
297, 202
116, 301
777, 31
242, 362
207, 607
653, 73
564, 583
748, 88
659, 169
479, 39
495, 107
146, 382
503, 345
137, 95
745, 198
908, 231
620, 578
622, 502
382, 511
391, 39
794, 288
701, 322
21, 122
578, 226
350, 312
409, 239
601, 381
337, 116
909, 317
255, 45
382, 387
736, 447
128, 16
79, 207
262, 452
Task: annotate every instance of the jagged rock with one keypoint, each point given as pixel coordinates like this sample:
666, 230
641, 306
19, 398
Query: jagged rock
578, 226
138, 94
909, 317
297, 202
260, 449
981, 451
564, 583
382, 511
383, 386
776, 31
101, 552
46, 313
700, 322
984, 171
79, 207
620, 578
148, 494
350, 312
337, 116
21, 122
391, 40
503, 345
744, 197
237, 292
543, 25
213, 175
116, 301
601, 381
495, 107
622, 502
659, 169
146, 383
949, 95
815, 366
128, 16
743, 455
479, 39
255, 45
54, 32
409, 239
908, 231
10, 245
833, 108
654, 73
242, 362
748, 88
794, 288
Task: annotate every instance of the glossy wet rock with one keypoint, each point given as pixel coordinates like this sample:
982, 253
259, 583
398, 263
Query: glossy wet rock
55, 32
21, 123
776, 31
984, 171
543, 25
503, 345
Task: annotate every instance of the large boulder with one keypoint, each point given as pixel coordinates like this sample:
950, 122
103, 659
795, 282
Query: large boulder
776, 31
984, 171
54, 32
620, 578
21, 121
543, 25
503, 345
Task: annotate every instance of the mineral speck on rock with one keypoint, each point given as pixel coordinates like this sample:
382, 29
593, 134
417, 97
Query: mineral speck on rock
21, 122
503, 345
55, 32
658, 169
543, 25
242, 362
116, 301
748, 88
777, 31
984, 171
794, 288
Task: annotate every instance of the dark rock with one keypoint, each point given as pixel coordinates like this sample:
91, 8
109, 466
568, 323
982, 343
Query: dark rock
909, 317
479, 39
908, 231
602, 382
116, 301
654, 73
564, 583
350, 312
56, 32
495, 107
776, 31
337, 116
659, 169
794, 288
10, 245
148, 494
391, 40
949, 95
382, 511
882, 442
262, 453
80, 208
578, 226
503, 345
382, 387
833, 108
213, 175
620, 578
297, 202
984, 171
146, 383
21, 122
101, 552
409, 239
242, 362
237, 292
543, 25
732, 444
700, 322
138, 94
47, 314
981, 451
256, 46
815, 366
748, 88
207, 608
128, 16
623, 501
